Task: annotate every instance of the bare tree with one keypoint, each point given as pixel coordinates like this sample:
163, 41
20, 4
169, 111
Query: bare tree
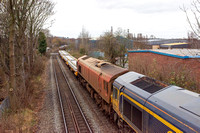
110, 46
122, 38
193, 41
84, 33
10, 6
23, 20
192, 15
39, 14
84, 38
140, 42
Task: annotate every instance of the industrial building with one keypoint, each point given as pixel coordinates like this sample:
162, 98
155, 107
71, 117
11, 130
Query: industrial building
166, 63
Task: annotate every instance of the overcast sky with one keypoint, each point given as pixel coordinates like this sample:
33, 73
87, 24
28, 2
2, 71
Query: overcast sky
161, 18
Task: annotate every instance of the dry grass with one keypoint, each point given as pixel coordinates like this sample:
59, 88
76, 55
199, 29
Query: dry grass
25, 119
182, 76
20, 121
76, 54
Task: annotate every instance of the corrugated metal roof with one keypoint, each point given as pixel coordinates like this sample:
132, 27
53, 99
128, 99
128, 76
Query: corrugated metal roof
172, 44
180, 52
165, 41
177, 53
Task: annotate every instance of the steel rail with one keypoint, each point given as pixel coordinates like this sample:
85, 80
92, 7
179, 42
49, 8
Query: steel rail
60, 99
66, 79
73, 115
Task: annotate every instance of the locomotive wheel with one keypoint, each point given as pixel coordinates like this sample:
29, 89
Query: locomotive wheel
92, 94
120, 123
115, 117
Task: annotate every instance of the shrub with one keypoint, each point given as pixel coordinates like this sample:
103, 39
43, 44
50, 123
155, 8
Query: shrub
42, 43
169, 74
82, 51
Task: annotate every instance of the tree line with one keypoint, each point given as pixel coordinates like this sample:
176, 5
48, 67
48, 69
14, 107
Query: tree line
21, 21
114, 45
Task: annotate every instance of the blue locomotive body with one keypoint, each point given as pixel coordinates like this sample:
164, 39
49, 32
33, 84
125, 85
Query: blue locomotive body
150, 106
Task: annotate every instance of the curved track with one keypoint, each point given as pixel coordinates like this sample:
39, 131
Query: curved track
73, 117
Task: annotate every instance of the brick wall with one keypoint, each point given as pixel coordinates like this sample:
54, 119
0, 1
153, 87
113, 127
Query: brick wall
181, 72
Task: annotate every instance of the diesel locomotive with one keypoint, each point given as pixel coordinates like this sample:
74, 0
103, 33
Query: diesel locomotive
129, 98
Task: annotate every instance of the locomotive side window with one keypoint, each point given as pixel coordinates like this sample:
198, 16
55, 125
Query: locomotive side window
136, 117
133, 114
127, 109
114, 93
79, 68
106, 86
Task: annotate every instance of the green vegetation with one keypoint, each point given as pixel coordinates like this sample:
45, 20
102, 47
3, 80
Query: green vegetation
82, 51
42, 43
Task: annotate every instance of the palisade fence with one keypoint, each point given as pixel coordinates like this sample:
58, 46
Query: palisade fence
4, 105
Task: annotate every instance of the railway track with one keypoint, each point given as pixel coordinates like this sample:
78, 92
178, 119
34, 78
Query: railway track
72, 115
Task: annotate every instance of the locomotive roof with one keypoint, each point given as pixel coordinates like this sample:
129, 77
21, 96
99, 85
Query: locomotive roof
180, 102
107, 69
180, 98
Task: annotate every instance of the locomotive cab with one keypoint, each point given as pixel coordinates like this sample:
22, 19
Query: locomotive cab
115, 98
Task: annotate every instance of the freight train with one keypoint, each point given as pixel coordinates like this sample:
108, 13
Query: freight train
144, 104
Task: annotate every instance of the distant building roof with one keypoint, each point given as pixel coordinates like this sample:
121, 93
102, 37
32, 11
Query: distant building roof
175, 45
94, 38
177, 53
172, 44
158, 41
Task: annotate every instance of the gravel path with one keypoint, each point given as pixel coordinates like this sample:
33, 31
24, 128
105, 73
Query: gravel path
49, 115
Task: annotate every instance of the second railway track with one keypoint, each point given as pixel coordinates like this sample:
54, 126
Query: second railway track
73, 117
